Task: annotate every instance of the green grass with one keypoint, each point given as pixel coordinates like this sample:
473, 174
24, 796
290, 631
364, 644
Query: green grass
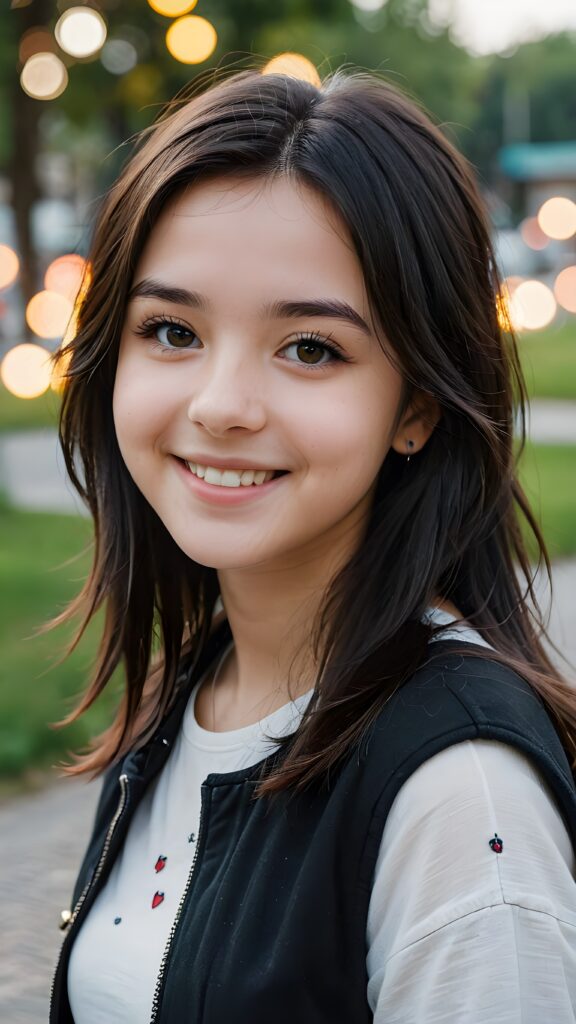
36, 584
548, 476
549, 361
27, 413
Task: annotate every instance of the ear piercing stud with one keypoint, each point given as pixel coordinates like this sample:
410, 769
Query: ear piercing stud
410, 444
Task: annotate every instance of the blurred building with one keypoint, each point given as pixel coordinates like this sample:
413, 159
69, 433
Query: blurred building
540, 170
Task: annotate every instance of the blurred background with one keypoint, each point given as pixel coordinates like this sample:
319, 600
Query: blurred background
77, 80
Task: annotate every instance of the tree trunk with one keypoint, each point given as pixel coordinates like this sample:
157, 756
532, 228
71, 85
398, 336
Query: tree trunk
25, 188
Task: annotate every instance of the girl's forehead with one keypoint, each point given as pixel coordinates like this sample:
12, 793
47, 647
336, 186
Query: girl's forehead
284, 197
258, 235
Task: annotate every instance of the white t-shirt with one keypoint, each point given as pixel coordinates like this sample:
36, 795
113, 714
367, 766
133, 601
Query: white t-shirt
456, 934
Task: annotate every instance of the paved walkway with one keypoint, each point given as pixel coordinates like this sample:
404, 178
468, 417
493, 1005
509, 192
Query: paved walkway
42, 840
32, 469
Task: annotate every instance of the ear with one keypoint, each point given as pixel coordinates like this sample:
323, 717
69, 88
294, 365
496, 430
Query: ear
417, 424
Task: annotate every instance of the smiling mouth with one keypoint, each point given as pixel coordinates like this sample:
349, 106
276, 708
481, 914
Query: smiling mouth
236, 483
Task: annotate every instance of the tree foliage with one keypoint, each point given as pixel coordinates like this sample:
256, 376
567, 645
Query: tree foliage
99, 111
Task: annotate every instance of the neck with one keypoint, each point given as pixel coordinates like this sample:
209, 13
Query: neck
271, 610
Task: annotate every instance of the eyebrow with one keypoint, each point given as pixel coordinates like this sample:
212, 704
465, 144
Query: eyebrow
289, 309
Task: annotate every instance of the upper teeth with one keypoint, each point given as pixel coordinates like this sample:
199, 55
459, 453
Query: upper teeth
230, 477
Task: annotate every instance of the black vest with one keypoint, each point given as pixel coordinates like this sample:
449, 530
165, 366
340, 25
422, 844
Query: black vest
272, 924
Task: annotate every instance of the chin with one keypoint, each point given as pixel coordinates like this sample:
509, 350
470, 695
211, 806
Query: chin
217, 557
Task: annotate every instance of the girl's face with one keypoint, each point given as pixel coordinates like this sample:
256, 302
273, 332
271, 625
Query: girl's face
225, 362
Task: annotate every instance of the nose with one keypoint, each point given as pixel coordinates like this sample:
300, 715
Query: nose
228, 393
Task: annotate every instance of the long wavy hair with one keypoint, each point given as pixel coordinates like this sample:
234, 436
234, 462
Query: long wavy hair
448, 523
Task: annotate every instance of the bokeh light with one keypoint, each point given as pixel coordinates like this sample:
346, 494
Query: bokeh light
565, 289
136, 36
532, 234
25, 370
511, 283
9, 266
191, 39
557, 218
65, 274
293, 64
48, 314
141, 85
368, 5
80, 31
44, 76
532, 306
119, 56
35, 40
172, 8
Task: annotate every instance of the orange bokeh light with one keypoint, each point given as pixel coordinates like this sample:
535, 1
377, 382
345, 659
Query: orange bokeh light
172, 8
565, 289
293, 64
25, 370
36, 40
557, 218
191, 39
532, 234
9, 266
48, 314
532, 306
65, 274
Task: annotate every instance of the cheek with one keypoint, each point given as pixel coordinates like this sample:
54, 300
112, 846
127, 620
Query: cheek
125, 406
349, 438
138, 403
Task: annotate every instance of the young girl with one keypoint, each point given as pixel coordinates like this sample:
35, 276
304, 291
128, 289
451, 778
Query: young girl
339, 785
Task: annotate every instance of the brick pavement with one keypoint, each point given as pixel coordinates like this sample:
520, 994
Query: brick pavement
42, 839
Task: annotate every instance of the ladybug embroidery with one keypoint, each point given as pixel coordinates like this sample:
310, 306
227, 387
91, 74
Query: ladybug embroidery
160, 863
497, 843
157, 899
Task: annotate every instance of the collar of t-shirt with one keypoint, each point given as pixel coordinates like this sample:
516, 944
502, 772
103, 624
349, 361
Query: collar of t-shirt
257, 740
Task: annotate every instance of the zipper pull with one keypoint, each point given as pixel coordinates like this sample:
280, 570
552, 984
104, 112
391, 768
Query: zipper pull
65, 916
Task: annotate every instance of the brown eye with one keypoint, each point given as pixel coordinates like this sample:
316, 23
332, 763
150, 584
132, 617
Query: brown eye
310, 353
176, 337
315, 351
168, 333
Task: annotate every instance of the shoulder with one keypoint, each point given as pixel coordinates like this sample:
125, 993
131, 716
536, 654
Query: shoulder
454, 804
462, 688
481, 787
444, 818
440, 874
452, 698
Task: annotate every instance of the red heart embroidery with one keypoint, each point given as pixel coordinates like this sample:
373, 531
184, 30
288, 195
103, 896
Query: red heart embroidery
160, 863
157, 899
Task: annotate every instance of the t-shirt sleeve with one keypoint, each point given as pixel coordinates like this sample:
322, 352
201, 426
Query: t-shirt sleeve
472, 915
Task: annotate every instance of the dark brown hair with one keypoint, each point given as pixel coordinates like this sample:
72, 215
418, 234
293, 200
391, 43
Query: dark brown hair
447, 523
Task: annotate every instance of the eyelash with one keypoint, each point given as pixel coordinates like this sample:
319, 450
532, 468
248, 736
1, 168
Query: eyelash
148, 328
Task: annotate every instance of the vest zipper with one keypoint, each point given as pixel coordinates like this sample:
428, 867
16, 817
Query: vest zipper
93, 878
165, 955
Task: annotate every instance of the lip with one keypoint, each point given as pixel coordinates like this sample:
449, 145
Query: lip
239, 463
214, 494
